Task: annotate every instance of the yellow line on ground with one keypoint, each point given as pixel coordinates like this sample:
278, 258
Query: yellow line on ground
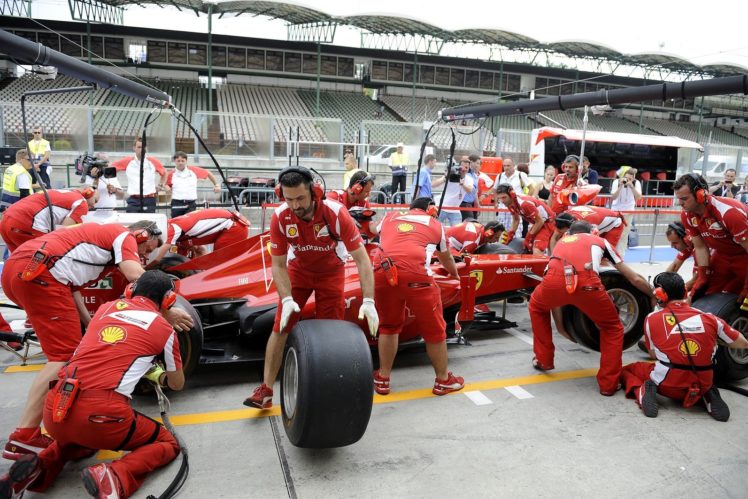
240, 414
29, 368
105, 455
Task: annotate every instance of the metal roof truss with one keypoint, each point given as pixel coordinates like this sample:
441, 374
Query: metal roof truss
16, 8
318, 32
423, 44
96, 11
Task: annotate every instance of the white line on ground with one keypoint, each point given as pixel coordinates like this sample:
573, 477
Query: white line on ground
527, 339
519, 392
478, 398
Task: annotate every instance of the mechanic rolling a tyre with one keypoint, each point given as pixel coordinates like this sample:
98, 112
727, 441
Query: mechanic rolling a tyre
44, 276
572, 278
89, 408
309, 239
682, 340
403, 279
470, 235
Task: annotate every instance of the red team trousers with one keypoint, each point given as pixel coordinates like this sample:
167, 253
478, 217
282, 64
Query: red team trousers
595, 304
329, 298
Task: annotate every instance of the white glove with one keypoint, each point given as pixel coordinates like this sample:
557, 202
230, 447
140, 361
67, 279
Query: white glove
369, 311
289, 307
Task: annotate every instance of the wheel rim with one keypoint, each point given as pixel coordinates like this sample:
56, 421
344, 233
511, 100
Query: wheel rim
739, 356
627, 306
290, 382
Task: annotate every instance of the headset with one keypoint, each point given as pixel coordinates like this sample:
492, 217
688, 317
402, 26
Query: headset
678, 228
358, 187
700, 188
167, 301
432, 211
316, 189
659, 292
146, 233
87, 192
489, 232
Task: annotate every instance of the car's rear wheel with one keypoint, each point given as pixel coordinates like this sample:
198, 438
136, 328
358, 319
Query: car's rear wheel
190, 342
326, 384
633, 307
729, 364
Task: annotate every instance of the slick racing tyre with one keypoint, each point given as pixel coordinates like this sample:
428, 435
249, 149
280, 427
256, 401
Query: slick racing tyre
729, 364
326, 384
172, 260
190, 342
495, 249
633, 307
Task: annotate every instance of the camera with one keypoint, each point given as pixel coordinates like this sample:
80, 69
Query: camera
85, 163
456, 172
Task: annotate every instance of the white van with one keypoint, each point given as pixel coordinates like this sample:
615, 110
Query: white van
381, 155
717, 164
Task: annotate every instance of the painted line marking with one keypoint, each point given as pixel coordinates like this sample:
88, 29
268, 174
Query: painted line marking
29, 368
478, 398
105, 455
519, 392
241, 414
521, 336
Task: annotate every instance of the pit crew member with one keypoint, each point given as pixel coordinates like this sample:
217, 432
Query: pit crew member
118, 349
357, 195
682, 340
720, 225
310, 237
44, 276
533, 211
572, 279
469, 236
566, 181
403, 280
30, 217
609, 223
216, 226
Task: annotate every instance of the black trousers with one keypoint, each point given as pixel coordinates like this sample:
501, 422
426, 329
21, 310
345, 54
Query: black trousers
181, 207
398, 185
133, 205
466, 213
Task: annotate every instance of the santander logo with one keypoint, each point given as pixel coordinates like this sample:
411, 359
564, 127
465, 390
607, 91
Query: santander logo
513, 270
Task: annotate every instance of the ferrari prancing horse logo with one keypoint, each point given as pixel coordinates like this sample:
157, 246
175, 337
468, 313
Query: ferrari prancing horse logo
478, 274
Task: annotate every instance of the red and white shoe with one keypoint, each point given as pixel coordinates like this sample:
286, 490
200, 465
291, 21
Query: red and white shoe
451, 384
20, 476
261, 398
101, 482
381, 383
20, 445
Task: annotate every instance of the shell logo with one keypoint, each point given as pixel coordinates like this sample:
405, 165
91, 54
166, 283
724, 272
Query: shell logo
569, 239
120, 305
689, 347
292, 231
112, 335
405, 227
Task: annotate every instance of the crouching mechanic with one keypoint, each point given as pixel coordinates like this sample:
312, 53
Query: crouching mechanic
30, 217
44, 276
310, 238
470, 236
404, 279
609, 223
357, 196
215, 226
117, 350
682, 340
572, 278
533, 211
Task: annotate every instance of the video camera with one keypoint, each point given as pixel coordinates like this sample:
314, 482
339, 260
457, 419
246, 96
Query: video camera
85, 163
456, 172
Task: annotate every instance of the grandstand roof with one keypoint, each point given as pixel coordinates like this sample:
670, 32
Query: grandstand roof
394, 25
726, 69
581, 48
494, 37
669, 61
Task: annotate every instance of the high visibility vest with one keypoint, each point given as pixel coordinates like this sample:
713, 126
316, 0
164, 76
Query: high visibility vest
399, 163
11, 193
38, 148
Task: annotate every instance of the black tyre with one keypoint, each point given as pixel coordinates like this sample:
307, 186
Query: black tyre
495, 249
190, 342
172, 260
326, 384
729, 364
633, 307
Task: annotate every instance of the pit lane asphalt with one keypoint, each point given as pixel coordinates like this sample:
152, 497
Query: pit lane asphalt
511, 433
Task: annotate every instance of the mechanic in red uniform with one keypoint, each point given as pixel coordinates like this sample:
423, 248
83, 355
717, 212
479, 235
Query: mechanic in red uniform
468, 236
357, 195
310, 239
118, 349
720, 225
29, 217
533, 211
682, 340
215, 226
408, 241
566, 181
581, 252
72, 258
609, 223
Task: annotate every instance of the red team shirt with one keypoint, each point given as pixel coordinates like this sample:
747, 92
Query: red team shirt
465, 237
527, 207
581, 249
424, 236
32, 212
120, 344
686, 253
319, 245
343, 198
559, 184
83, 254
199, 227
604, 218
723, 227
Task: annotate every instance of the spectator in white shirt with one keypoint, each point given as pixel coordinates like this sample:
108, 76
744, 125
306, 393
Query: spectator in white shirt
182, 181
624, 193
454, 193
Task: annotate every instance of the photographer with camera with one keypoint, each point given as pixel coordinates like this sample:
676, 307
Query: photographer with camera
103, 178
624, 193
726, 188
459, 183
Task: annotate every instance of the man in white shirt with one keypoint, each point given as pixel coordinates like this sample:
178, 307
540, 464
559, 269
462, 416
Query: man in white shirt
624, 193
454, 193
144, 202
519, 182
182, 181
